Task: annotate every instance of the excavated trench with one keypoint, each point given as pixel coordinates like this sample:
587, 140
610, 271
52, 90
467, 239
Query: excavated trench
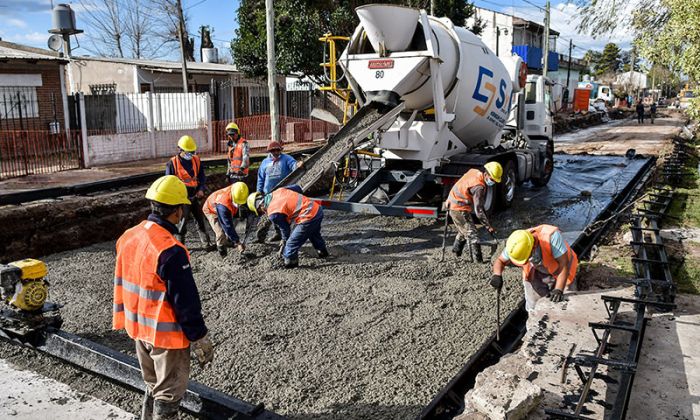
373, 332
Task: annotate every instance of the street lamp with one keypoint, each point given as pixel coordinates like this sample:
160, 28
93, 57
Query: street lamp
498, 35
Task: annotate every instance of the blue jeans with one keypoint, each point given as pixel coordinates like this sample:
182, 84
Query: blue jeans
310, 230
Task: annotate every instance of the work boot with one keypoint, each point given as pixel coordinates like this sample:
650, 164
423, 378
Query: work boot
222, 251
458, 247
476, 253
147, 406
260, 236
322, 253
163, 410
291, 262
206, 241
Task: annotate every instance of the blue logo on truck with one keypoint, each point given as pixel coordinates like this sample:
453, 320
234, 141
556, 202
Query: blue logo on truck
485, 92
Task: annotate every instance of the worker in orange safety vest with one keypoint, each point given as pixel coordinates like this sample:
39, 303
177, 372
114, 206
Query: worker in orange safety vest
467, 196
238, 154
157, 302
549, 264
285, 206
187, 166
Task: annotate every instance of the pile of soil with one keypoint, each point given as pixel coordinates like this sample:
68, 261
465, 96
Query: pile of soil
373, 332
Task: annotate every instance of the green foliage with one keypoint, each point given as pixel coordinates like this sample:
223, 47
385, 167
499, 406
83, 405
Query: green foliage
669, 35
300, 23
609, 62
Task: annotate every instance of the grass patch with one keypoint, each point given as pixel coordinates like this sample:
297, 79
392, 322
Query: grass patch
685, 209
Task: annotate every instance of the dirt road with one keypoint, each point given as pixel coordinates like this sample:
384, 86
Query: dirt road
616, 137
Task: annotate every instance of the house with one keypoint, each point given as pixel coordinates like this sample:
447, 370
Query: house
233, 94
506, 34
32, 89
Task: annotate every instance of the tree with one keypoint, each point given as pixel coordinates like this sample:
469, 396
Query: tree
609, 62
131, 29
626, 59
300, 23
592, 58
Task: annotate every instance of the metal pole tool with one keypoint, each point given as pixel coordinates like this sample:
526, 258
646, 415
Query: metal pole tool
498, 314
444, 234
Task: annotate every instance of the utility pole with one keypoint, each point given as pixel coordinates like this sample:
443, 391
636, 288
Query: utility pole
545, 53
568, 71
272, 71
567, 92
181, 33
498, 35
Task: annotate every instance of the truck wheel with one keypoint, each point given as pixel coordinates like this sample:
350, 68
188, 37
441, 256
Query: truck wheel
547, 167
491, 200
506, 190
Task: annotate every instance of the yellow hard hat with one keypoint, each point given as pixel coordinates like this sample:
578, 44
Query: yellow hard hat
169, 190
187, 144
495, 170
232, 126
519, 246
239, 193
251, 202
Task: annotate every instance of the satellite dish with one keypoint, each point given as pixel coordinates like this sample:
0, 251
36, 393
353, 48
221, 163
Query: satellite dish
55, 42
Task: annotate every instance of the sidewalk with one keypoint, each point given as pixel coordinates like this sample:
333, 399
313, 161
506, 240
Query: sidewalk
102, 173
28, 395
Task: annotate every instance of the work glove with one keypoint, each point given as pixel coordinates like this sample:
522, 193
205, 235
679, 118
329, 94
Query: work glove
491, 230
203, 350
240, 247
556, 295
496, 281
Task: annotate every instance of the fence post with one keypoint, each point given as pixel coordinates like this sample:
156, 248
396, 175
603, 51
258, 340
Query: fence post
149, 123
210, 128
84, 130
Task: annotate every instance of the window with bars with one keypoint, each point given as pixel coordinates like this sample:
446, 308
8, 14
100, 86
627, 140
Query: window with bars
18, 102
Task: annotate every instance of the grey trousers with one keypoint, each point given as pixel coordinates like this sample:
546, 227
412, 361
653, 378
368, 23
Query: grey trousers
165, 371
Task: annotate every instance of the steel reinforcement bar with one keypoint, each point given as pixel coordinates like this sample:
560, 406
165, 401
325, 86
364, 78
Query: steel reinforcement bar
449, 401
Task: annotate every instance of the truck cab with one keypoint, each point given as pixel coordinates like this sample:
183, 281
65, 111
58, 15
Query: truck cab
538, 112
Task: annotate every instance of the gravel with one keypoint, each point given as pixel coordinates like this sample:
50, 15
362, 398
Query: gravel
373, 332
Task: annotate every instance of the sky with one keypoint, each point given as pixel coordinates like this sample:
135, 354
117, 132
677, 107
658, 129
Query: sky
27, 22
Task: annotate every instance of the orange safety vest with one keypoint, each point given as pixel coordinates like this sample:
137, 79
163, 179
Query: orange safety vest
180, 172
460, 198
297, 207
223, 197
140, 303
235, 156
543, 234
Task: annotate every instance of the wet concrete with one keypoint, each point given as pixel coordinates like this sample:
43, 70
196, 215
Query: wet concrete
373, 332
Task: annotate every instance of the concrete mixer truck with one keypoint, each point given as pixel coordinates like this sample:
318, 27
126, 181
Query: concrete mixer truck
434, 102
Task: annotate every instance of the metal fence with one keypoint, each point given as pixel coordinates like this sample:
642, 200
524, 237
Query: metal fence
139, 112
256, 129
26, 152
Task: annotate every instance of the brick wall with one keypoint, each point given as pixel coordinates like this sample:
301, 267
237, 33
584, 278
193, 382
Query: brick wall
51, 84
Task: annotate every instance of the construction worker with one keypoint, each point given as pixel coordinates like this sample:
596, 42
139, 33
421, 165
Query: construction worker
285, 206
187, 166
467, 195
238, 154
274, 168
224, 208
157, 302
548, 262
